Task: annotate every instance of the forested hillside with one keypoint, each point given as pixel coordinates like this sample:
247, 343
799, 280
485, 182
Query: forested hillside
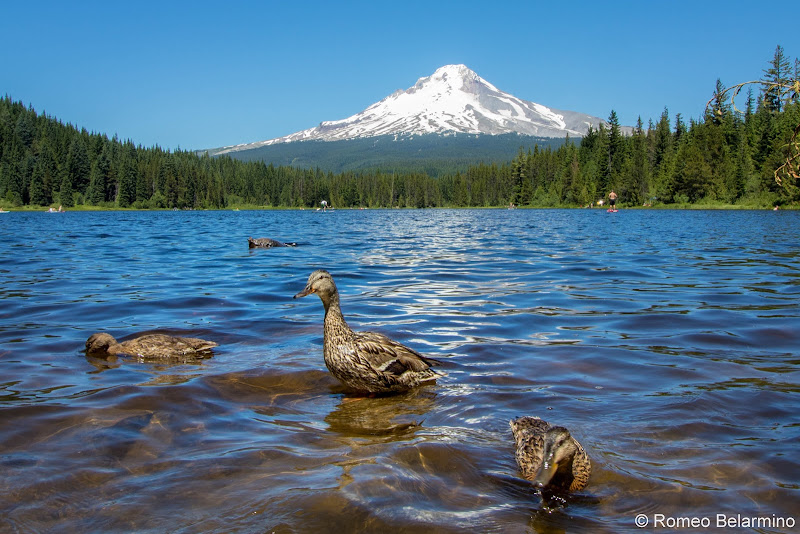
728, 156
431, 154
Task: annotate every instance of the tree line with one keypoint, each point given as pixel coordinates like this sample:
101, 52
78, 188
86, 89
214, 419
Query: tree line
727, 156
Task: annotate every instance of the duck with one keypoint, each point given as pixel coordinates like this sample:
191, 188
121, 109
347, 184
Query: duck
154, 347
367, 362
266, 242
549, 456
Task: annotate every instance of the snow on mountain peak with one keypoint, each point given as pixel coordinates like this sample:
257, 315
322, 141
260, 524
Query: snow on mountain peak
454, 99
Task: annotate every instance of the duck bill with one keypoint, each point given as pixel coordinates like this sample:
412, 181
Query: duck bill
303, 293
548, 469
545, 475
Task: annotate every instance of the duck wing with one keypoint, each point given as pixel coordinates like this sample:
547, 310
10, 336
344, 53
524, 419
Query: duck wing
161, 346
264, 242
529, 435
387, 356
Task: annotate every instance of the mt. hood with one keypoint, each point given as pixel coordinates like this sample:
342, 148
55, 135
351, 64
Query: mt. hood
454, 99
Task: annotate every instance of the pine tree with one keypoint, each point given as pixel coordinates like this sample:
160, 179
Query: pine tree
637, 172
517, 173
680, 129
663, 141
744, 169
98, 178
25, 129
616, 153
95, 192
49, 173
776, 80
36, 192
78, 166
11, 188
168, 180
127, 177
66, 190
719, 105
692, 174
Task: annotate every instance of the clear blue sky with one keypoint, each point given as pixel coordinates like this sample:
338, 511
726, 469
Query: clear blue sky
208, 74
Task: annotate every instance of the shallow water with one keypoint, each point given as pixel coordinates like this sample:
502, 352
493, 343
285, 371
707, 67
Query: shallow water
667, 341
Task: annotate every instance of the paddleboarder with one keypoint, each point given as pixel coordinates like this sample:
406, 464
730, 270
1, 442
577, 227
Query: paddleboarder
612, 200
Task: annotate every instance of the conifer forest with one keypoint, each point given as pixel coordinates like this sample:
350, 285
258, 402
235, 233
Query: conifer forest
740, 152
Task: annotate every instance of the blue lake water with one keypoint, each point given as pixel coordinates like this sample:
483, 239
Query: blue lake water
667, 341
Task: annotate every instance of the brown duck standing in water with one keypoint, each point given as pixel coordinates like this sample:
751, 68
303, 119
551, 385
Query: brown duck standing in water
266, 242
367, 362
155, 347
549, 456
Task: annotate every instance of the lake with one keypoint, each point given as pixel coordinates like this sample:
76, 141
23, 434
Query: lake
666, 341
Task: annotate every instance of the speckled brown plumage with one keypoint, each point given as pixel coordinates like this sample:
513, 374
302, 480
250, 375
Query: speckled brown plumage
266, 242
154, 347
549, 456
367, 362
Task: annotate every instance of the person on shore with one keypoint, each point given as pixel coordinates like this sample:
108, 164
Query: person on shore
612, 200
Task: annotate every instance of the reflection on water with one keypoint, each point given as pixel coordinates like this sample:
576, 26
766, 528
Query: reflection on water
666, 342
393, 417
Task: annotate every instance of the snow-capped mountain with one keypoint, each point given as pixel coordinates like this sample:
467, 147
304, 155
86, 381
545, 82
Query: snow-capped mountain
454, 99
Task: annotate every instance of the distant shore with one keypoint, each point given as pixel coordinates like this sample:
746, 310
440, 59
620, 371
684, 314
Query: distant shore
698, 206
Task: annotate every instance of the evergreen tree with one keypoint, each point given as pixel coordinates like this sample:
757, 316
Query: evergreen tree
776, 80
78, 166
127, 178
521, 193
11, 188
48, 167
680, 128
25, 129
744, 169
692, 174
169, 182
36, 192
637, 173
616, 153
67, 189
662, 146
95, 193
719, 105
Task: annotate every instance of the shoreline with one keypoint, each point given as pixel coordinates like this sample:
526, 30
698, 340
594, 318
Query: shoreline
687, 207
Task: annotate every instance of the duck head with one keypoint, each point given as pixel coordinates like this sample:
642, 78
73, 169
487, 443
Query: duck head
557, 456
99, 343
321, 283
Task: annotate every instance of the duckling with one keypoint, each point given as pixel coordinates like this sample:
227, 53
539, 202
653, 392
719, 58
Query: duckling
266, 242
156, 347
367, 362
549, 456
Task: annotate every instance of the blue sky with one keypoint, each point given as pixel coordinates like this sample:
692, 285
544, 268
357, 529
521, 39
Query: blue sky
201, 74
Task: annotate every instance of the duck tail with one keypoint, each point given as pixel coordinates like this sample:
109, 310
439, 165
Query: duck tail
431, 361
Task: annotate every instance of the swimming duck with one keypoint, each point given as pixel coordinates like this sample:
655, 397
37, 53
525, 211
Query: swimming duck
158, 347
549, 456
266, 242
367, 362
